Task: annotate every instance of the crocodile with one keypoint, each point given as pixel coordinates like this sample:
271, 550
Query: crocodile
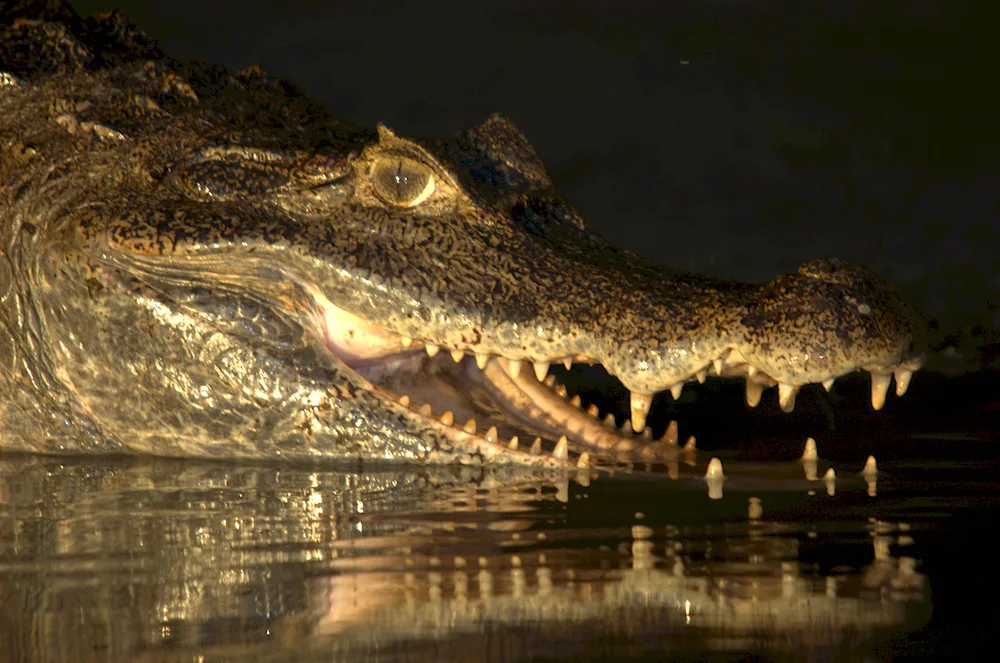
201, 263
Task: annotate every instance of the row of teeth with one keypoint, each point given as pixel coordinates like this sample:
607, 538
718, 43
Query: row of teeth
560, 452
669, 436
756, 380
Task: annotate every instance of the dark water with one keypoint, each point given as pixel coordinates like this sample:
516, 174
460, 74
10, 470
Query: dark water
162, 560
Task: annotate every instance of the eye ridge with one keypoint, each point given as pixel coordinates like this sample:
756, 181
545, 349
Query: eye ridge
403, 181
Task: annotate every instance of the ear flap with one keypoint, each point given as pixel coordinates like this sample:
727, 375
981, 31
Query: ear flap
508, 153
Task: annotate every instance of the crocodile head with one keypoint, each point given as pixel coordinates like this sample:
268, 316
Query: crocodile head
206, 264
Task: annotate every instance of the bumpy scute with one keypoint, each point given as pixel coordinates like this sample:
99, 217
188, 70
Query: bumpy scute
200, 263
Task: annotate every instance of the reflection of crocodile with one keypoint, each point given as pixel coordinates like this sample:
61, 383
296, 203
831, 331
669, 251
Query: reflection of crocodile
159, 560
198, 263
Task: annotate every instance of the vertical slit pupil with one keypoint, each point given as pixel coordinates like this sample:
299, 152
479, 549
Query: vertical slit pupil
401, 180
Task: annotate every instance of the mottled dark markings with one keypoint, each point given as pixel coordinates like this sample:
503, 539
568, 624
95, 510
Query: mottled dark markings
190, 248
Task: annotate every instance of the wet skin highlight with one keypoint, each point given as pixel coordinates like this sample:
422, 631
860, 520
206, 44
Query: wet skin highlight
200, 263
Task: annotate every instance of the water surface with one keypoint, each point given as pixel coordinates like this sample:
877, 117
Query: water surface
163, 560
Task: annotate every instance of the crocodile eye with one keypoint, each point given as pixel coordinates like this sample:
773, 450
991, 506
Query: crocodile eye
402, 181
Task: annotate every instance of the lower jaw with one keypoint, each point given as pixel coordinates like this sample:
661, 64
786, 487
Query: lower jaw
518, 412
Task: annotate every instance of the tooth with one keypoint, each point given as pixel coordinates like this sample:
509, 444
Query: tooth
880, 385
512, 445
470, 426
627, 426
810, 452
751, 370
536, 446
593, 410
514, 366
425, 409
562, 495
541, 369
448, 418
406, 341
562, 449
670, 435
786, 396
902, 380
701, 375
583, 462
647, 433
404, 400
575, 401
609, 421
714, 469
691, 445
432, 349
828, 384
561, 391
871, 468
754, 392
675, 390
491, 434
457, 355
568, 363
482, 360
550, 381
717, 363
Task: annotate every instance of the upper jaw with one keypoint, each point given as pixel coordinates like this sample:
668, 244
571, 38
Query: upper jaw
851, 327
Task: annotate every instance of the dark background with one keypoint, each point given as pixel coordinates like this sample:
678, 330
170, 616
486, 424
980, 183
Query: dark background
734, 138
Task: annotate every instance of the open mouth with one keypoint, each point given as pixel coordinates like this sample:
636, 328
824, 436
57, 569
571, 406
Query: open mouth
496, 406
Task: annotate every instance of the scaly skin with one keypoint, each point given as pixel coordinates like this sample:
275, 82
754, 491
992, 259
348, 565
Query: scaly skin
199, 263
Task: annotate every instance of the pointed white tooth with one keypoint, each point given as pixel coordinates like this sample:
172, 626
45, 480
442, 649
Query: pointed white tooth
717, 363
828, 384
627, 426
541, 370
786, 396
609, 421
512, 445
550, 381
561, 391
575, 401
871, 467
568, 363
902, 380
491, 434
670, 435
754, 391
404, 400
594, 411
425, 409
432, 349
675, 390
536, 446
880, 385
584, 461
514, 367
751, 370
830, 476
457, 355
406, 341
714, 469
470, 426
701, 375
482, 360
639, 403
562, 449
691, 445
448, 418
810, 452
